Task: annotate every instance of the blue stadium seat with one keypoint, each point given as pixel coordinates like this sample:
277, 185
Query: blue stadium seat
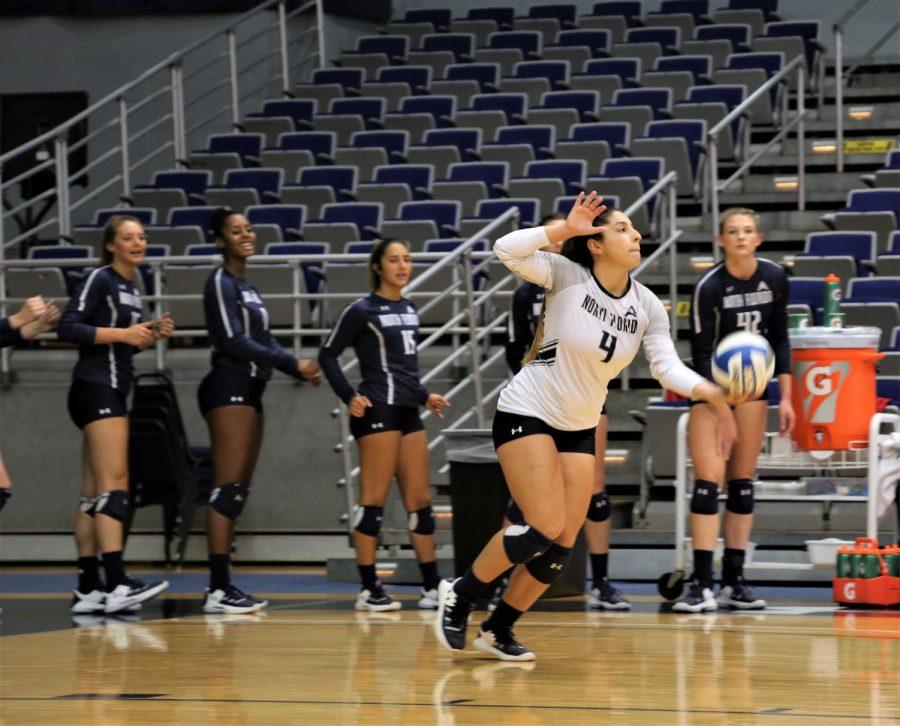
874, 200
503, 16
340, 178
396, 143
556, 72
806, 29
320, 144
527, 41
587, 103
439, 17
145, 215
202, 250
737, 34
288, 217
771, 63
345, 77
888, 387
444, 214
698, 8
358, 248
564, 204
616, 134
466, 140
768, 7
668, 38
418, 77
486, 74
598, 41
300, 110
193, 217
861, 246
441, 108
565, 14
494, 175
60, 252
894, 243
366, 216
512, 104
540, 138
312, 271
892, 160
417, 177
247, 146
630, 10
571, 173
448, 245
730, 96
493, 208
700, 66
659, 100
627, 69
807, 291
648, 170
371, 110
462, 45
265, 182
395, 47
693, 132
192, 182
874, 289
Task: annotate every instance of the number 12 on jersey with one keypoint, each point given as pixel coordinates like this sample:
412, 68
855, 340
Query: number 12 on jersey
608, 344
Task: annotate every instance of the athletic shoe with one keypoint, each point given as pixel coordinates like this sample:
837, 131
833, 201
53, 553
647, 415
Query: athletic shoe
132, 592
452, 617
739, 597
607, 597
376, 601
428, 599
502, 646
498, 594
698, 600
232, 600
90, 602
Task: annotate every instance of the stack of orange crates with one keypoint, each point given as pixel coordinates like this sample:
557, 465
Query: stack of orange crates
867, 574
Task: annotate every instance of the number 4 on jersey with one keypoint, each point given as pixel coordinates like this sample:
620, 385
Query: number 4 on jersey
608, 343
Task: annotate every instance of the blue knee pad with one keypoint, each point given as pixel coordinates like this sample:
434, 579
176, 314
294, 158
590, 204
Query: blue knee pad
229, 499
599, 511
513, 513
522, 543
705, 499
549, 566
421, 521
115, 504
740, 496
368, 519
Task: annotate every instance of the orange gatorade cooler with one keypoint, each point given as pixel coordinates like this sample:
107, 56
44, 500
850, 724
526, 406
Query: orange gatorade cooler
834, 385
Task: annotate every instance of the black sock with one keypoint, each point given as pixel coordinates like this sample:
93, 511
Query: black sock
114, 568
5, 494
732, 566
600, 567
502, 619
219, 572
469, 587
430, 576
703, 560
89, 574
368, 577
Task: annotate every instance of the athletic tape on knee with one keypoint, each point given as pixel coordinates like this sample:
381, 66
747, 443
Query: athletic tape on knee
421, 521
522, 543
705, 499
549, 566
740, 496
88, 505
115, 504
367, 519
229, 499
599, 510
513, 513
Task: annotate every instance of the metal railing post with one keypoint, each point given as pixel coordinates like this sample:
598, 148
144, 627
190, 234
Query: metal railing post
123, 146
673, 259
297, 272
61, 161
176, 80
233, 77
283, 49
839, 94
473, 340
714, 191
347, 463
320, 29
801, 137
160, 308
4, 352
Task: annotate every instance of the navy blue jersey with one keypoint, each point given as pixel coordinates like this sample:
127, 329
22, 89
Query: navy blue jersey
238, 325
104, 300
524, 314
724, 304
383, 333
8, 336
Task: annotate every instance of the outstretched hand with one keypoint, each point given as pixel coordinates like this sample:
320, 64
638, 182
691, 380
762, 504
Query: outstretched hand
581, 217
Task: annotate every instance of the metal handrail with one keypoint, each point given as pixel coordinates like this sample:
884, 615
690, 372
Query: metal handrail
798, 63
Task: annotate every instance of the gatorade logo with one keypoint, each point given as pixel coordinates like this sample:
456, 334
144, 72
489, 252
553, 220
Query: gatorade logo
850, 591
820, 387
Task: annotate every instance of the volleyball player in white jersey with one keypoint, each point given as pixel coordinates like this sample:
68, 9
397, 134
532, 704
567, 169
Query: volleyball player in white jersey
595, 318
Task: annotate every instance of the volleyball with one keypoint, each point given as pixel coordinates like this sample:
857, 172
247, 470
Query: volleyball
743, 364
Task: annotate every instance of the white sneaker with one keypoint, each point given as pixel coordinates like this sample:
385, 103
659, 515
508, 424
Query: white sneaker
428, 599
376, 601
503, 646
132, 592
91, 602
698, 600
232, 600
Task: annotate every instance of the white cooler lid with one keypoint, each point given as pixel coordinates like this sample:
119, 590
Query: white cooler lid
824, 337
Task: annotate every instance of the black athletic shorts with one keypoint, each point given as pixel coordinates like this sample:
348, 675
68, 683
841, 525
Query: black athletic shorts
386, 417
90, 401
511, 426
225, 387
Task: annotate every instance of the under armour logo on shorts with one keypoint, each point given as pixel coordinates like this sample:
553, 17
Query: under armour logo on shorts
104, 411
555, 566
237, 399
377, 425
515, 431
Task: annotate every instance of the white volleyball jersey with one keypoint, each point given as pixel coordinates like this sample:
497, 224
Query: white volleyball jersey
589, 336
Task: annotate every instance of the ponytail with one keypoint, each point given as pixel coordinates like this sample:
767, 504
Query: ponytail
538, 335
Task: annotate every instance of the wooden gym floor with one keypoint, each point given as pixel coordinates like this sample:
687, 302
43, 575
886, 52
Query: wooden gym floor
312, 659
